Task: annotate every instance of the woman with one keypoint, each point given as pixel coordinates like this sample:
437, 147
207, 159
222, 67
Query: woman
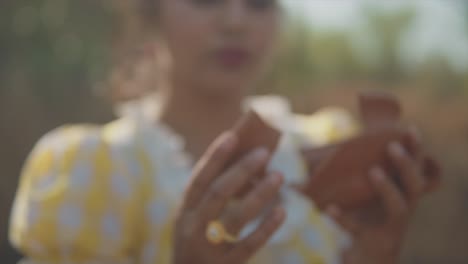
129, 192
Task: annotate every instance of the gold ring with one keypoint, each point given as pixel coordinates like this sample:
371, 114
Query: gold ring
216, 233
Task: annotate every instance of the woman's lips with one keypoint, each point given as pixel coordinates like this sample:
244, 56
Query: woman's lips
233, 57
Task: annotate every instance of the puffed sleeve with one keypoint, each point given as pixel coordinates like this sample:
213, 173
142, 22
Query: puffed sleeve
75, 202
327, 126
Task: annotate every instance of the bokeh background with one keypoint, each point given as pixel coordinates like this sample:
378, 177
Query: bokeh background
55, 57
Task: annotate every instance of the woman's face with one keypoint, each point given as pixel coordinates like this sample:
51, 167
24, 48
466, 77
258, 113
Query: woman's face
219, 47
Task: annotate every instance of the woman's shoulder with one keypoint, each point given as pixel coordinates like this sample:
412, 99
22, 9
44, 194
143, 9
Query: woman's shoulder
62, 138
86, 138
70, 148
64, 144
77, 185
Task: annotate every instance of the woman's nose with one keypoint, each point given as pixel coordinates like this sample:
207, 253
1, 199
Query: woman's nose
235, 15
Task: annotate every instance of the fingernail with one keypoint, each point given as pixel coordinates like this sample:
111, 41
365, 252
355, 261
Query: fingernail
377, 174
260, 154
228, 139
396, 149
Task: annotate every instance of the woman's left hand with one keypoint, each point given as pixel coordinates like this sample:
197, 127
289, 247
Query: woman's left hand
378, 231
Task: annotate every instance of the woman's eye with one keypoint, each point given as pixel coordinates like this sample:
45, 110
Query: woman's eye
261, 4
206, 2
257, 5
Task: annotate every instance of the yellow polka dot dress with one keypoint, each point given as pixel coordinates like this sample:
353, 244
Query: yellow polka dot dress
108, 194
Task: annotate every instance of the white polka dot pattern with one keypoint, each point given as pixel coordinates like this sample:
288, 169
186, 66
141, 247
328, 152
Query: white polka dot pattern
121, 185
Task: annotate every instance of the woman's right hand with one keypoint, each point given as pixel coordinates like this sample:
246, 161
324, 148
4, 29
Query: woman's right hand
207, 197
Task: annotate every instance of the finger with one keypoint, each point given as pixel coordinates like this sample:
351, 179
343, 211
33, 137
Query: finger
408, 171
256, 240
209, 167
255, 201
392, 198
348, 223
231, 182
429, 167
415, 143
432, 173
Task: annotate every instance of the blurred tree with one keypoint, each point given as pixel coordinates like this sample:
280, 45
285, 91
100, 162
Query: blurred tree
293, 66
51, 51
308, 55
388, 29
440, 77
51, 44
334, 57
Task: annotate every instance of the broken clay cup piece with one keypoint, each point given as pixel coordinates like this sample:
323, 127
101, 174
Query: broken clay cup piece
253, 132
342, 178
379, 109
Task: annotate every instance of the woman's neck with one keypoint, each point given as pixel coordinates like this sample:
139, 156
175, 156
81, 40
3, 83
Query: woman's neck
197, 118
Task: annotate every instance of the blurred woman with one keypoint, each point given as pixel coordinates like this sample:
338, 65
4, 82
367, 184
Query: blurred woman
153, 187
